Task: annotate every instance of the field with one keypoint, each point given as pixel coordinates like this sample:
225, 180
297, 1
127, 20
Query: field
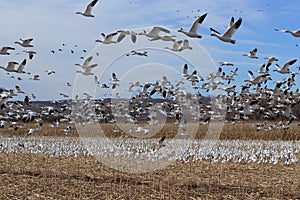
44, 176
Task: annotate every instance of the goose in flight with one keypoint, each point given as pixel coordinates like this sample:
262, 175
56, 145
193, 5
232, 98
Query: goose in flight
251, 54
271, 59
224, 63
138, 53
88, 70
226, 37
186, 45
25, 43
10, 66
107, 38
4, 50
293, 33
18, 90
122, 35
193, 30
114, 77
21, 67
35, 77
86, 63
88, 10
30, 54
285, 69
258, 79
63, 95
49, 72
165, 38
176, 46
153, 33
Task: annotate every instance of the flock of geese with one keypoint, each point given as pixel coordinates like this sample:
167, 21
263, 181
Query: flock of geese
257, 98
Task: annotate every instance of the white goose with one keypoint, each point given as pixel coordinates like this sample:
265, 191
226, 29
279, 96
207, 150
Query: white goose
293, 33
123, 34
25, 43
86, 63
154, 32
176, 46
251, 54
88, 70
88, 10
21, 67
4, 50
30, 54
35, 77
193, 31
107, 38
258, 79
10, 66
226, 37
285, 69
186, 45
224, 63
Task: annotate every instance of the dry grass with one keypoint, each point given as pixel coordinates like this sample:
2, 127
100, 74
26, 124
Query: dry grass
43, 177
242, 131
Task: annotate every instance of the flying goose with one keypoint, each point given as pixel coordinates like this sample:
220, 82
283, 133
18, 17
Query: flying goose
258, 79
88, 10
138, 53
271, 59
86, 63
193, 31
224, 63
10, 66
35, 77
107, 38
49, 72
293, 33
4, 50
251, 54
21, 67
285, 69
25, 43
30, 54
153, 33
122, 35
176, 46
185, 45
88, 70
226, 37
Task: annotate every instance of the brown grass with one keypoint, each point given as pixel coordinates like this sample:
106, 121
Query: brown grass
242, 131
44, 177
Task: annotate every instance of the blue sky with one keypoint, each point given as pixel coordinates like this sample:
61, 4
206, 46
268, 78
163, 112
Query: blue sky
52, 23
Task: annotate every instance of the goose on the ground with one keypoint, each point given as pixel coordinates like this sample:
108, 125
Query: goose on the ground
193, 30
226, 37
88, 10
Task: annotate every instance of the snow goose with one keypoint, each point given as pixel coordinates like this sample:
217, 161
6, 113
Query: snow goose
49, 72
123, 34
138, 53
4, 50
193, 31
224, 63
30, 54
35, 77
88, 70
226, 37
153, 33
185, 45
114, 77
165, 38
21, 67
285, 69
18, 90
25, 43
88, 10
293, 33
63, 95
176, 46
107, 38
258, 79
10, 66
251, 54
271, 59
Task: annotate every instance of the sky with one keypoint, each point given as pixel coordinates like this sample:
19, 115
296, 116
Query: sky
54, 23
